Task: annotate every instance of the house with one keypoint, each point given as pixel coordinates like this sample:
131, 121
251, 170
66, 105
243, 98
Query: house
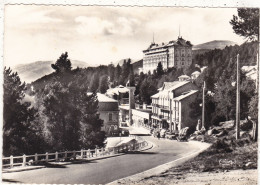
108, 111
184, 78
195, 75
251, 72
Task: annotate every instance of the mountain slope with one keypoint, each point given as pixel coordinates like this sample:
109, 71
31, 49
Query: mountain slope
32, 71
215, 44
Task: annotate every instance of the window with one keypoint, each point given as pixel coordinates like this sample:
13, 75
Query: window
110, 116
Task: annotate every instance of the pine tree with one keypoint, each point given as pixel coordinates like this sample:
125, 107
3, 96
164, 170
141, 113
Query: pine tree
159, 69
131, 77
103, 84
90, 133
63, 64
246, 23
94, 83
19, 135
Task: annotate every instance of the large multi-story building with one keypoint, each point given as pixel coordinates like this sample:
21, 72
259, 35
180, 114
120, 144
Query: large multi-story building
176, 54
171, 105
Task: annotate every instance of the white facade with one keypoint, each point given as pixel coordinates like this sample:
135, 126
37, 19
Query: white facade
173, 54
170, 106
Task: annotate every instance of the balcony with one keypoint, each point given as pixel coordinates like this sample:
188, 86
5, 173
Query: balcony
165, 108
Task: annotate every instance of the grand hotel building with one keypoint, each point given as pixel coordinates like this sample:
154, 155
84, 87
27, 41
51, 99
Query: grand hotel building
176, 54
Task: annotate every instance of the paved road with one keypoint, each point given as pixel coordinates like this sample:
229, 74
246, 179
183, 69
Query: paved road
106, 170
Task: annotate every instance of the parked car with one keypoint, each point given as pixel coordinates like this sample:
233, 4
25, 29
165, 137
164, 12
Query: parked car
124, 132
124, 124
162, 133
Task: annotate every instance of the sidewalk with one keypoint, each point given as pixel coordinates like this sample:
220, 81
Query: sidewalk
138, 130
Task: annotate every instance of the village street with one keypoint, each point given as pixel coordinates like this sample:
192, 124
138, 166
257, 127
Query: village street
107, 170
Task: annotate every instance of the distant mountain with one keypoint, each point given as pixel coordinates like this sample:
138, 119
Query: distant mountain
121, 62
136, 65
32, 71
215, 44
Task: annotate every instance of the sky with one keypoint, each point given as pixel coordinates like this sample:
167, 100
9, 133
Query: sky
105, 34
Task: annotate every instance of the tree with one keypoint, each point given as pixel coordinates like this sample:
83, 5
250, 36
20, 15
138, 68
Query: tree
103, 84
63, 64
91, 134
159, 69
63, 122
125, 72
117, 73
253, 113
246, 23
253, 107
147, 89
72, 119
131, 77
111, 72
19, 132
94, 83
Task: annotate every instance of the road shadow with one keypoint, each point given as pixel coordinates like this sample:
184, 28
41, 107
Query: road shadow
11, 181
140, 152
140, 134
65, 164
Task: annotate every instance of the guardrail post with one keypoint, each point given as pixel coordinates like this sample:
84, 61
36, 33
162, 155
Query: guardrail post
66, 155
24, 160
56, 156
36, 157
81, 154
96, 151
74, 154
47, 157
89, 154
11, 161
114, 150
102, 151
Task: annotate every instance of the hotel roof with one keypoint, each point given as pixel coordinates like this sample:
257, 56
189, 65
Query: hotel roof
185, 95
180, 41
104, 98
195, 73
178, 85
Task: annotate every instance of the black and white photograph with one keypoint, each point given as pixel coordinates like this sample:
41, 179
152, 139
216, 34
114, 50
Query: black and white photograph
130, 95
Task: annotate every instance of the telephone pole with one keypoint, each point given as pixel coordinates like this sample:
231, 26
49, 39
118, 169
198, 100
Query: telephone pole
203, 106
238, 100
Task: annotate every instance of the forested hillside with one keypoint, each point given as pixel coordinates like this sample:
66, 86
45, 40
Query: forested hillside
221, 66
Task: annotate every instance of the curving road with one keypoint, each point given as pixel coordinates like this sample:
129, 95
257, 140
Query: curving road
106, 170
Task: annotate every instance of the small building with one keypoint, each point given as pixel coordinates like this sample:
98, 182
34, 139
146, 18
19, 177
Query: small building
195, 75
251, 72
108, 111
184, 78
142, 117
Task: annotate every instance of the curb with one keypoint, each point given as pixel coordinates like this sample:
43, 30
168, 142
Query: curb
23, 169
157, 170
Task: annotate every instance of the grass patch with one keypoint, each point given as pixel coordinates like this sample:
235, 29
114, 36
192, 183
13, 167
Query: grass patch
224, 154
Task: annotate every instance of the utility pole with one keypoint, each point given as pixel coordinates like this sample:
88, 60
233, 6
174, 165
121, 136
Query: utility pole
203, 106
257, 72
238, 100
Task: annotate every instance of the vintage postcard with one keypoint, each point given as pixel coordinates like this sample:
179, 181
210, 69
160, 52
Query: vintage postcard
144, 94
